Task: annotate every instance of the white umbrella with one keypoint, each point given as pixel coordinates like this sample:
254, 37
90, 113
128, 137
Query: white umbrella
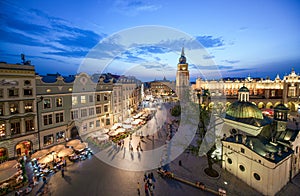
73, 142
80, 146
46, 159
105, 131
120, 130
65, 152
102, 137
57, 148
128, 121
127, 126
40, 153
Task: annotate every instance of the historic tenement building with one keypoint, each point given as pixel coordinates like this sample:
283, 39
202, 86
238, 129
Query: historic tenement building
18, 119
265, 93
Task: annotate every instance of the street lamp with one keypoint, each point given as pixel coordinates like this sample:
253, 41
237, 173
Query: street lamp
38, 119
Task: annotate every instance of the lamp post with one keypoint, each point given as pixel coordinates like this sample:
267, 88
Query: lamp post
38, 119
199, 102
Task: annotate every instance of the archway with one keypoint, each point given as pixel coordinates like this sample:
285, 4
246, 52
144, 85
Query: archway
74, 133
277, 103
3, 154
253, 103
261, 105
228, 104
292, 106
23, 148
269, 105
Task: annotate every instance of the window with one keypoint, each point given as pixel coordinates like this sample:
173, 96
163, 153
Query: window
59, 102
47, 103
48, 90
98, 110
229, 160
13, 92
27, 92
91, 98
28, 107
83, 113
1, 93
15, 128
1, 109
2, 129
105, 97
47, 119
256, 176
82, 99
106, 108
91, 125
74, 114
91, 111
107, 121
59, 117
242, 150
74, 101
60, 136
297, 149
98, 98
14, 108
29, 125
242, 168
48, 139
27, 83
97, 123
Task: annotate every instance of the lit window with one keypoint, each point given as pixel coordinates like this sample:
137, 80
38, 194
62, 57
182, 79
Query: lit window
59, 102
60, 136
70, 89
48, 90
74, 101
83, 99
48, 139
2, 129
28, 107
14, 108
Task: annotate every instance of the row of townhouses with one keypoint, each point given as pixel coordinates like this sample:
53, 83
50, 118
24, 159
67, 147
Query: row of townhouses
38, 111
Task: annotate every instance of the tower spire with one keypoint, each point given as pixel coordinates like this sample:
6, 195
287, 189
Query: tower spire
182, 52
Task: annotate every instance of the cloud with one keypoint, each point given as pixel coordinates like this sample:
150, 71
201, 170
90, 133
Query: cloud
208, 56
134, 7
210, 67
231, 61
243, 28
157, 66
240, 69
209, 42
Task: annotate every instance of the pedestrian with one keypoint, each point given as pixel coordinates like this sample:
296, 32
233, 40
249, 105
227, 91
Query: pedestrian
62, 172
138, 188
146, 189
44, 180
145, 177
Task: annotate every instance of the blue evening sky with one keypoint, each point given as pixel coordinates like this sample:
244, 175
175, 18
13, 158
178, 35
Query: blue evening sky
144, 38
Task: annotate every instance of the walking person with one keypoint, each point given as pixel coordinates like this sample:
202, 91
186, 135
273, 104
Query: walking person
62, 172
138, 188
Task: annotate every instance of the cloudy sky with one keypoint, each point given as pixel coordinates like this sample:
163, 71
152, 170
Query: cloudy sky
144, 38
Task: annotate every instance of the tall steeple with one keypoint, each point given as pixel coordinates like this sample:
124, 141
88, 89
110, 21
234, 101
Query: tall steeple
182, 76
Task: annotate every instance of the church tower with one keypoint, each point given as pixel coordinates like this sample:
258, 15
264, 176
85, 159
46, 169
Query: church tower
182, 77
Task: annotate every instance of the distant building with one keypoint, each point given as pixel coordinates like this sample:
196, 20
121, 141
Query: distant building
261, 151
265, 93
18, 119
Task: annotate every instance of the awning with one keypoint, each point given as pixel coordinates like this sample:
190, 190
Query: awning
65, 152
39, 154
57, 148
73, 142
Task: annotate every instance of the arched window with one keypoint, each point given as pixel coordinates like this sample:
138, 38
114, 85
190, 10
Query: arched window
256, 176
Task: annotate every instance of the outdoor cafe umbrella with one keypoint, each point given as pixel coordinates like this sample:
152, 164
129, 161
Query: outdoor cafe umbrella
80, 146
46, 159
127, 126
73, 142
7, 170
39, 154
65, 152
57, 148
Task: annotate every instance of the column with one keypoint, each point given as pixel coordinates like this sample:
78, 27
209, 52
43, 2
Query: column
22, 126
6, 109
7, 128
21, 107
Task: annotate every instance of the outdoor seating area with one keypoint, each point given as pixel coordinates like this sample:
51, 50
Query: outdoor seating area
12, 176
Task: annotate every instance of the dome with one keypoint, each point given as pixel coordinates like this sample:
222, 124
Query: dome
240, 109
243, 89
281, 107
182, 60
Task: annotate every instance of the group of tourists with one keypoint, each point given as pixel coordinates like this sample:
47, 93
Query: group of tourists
148, 184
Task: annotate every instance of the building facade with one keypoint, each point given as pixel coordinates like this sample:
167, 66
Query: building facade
18, 119
265, 93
